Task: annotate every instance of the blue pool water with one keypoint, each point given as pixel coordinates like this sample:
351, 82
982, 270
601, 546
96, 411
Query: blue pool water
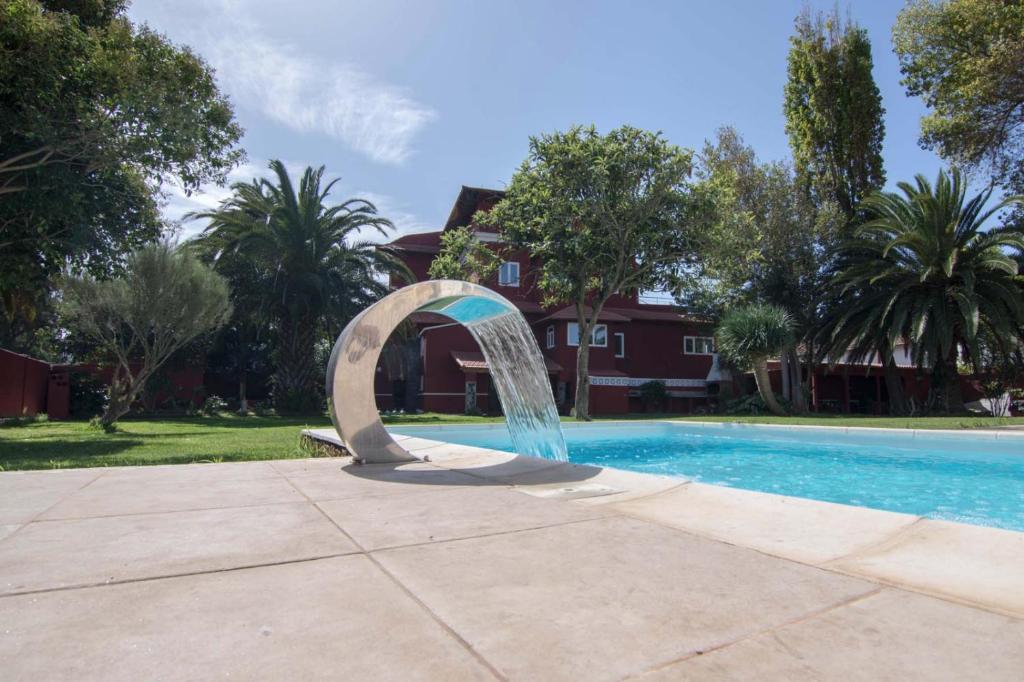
969, 478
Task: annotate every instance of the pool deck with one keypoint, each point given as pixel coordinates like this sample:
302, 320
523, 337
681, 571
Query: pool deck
483, 565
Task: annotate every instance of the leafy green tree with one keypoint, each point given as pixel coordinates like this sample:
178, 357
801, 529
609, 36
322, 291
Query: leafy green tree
322, 272
749, 336
604, 215
965, 59
926, 272
767, 243
242, 345
165, 299
463, 256
834, 114
102, 114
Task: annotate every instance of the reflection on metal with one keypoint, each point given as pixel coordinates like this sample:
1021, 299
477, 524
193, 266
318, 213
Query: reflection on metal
509, 347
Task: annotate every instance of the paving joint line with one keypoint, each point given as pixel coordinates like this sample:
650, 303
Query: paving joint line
884, 543
36, 517
171, 576
166, 511
476, 655
809, 615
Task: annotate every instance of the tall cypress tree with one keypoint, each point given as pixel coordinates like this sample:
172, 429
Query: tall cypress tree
834, 111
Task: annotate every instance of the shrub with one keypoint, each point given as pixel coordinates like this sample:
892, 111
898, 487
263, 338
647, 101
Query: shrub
100, 425
214, 404
88, 395
653, 394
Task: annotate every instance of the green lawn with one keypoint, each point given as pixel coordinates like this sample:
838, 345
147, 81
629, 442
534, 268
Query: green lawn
50, 445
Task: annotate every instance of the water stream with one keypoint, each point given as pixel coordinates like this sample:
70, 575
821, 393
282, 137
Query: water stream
521, 379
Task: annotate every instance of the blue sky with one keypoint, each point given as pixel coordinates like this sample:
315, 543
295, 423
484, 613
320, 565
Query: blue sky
406, 101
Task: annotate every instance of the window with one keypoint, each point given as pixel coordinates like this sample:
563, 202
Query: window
620, 345
598, 335
698, 345
551, 336
508, 275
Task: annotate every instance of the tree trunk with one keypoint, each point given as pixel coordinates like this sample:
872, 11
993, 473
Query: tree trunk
764, 387
124, 388
796, 382
785, 374
582, 408
295, 386
946, 381
894, 387
243, 401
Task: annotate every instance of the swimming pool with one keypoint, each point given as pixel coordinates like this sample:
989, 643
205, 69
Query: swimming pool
966, 477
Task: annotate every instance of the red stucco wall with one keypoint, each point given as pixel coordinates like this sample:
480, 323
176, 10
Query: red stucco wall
23, 384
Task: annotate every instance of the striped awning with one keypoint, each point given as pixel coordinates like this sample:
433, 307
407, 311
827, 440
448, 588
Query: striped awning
469, 361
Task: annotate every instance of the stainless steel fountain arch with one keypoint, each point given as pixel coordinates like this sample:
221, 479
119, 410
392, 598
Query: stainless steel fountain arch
352, 367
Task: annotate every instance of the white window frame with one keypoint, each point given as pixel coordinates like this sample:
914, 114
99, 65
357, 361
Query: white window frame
622, 336
551, 336
593, 335
504, 281
704, 341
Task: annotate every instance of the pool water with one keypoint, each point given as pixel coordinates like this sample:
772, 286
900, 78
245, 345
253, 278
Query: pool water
968, 478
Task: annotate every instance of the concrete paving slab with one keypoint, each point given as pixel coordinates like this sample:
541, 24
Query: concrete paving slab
891, 636
389, 521
146, 492
602, 599
316, 465
808, 531
7, 529
52, 554
222, 471
25, 494
361, 480
329, 619
979, 565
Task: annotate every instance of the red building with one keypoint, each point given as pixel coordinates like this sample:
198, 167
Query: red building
633, 343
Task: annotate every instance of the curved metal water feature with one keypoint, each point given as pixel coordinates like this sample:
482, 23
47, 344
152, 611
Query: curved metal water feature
513, 358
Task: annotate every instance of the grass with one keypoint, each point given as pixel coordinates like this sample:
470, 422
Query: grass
228, 438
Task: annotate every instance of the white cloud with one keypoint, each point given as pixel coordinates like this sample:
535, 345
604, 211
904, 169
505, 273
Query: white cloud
295, 89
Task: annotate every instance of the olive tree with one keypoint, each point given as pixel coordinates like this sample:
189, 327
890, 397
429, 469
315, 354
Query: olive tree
165, 299
604, 215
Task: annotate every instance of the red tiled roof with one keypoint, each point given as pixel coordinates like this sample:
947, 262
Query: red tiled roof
469, 361
569, 313
466, 204
420, 242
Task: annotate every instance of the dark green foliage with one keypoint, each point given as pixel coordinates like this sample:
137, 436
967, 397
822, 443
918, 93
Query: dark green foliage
965, 59
924, 271
98, 113
653, 394
88, 395
309, 268
834, 114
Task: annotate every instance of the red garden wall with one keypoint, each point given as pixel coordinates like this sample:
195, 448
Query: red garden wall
24, 384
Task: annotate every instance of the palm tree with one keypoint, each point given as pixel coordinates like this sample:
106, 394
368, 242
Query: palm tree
320, 271
751, 335
922, 271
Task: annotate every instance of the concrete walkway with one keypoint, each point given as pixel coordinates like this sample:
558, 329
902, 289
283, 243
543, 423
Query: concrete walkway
470, 569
